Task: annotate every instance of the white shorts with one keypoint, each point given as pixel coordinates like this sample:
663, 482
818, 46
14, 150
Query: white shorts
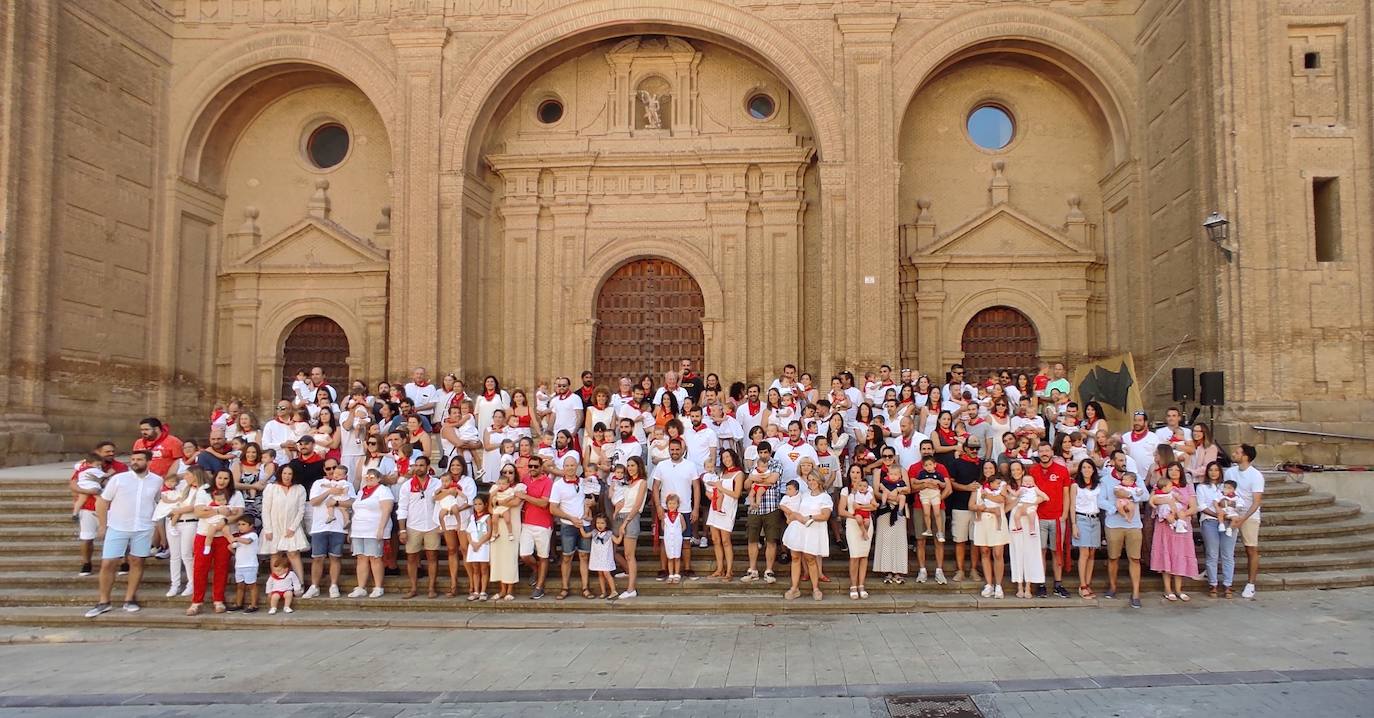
535, 539
88, 525
245, 574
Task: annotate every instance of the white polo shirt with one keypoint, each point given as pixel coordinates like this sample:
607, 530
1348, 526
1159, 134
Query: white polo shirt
422, 395
677, 478
679, 393
132, 500
908, 451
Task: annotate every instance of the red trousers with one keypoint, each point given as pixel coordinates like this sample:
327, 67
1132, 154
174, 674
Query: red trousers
218, 559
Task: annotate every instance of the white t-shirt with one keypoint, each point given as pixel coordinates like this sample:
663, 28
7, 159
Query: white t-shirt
677, 478
1142, 450
700, 443
203, 526
133, 499
319, 515
276, 435
421, 395
568, 496
748, 421
246, 554
1249, 482
1021, 422
789, 456
566, 412
908, 453
367, 512
679, 393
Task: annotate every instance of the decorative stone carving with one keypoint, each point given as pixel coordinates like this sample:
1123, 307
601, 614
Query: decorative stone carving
651, 103
999, 189
318, 207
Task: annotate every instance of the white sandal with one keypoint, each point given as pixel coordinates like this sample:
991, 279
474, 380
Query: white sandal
853, 593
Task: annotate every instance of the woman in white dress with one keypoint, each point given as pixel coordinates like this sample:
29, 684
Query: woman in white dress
371, 514
723, 496
1027, 565
989, 504
485, 405
283, 508
857, 503
599, 411
353, 438
807, 535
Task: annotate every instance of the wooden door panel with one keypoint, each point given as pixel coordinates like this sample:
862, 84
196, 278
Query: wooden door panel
648, 319
316, 341
999, 338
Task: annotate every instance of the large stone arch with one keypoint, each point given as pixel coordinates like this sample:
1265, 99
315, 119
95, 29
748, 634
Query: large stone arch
283, 318
208, 83
1091, 57
473, 101
1041, 316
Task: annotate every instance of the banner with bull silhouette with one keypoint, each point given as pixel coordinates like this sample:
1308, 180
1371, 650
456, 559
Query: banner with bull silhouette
1112, 383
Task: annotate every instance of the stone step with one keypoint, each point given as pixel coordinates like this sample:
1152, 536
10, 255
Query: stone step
1307, 516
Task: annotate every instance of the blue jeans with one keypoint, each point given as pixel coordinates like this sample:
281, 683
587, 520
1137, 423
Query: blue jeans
1215, 541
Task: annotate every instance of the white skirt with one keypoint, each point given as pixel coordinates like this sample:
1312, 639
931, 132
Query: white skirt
724, 519
813, 539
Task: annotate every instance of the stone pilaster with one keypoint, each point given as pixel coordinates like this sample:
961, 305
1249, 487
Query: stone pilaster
415, 328
729, 229
872, 222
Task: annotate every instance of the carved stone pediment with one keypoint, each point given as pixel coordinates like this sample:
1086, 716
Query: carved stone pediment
1003, 231
312, 244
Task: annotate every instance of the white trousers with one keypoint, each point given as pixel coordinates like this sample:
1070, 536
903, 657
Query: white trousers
181, 540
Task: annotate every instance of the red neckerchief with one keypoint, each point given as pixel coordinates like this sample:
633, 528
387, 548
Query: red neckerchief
416, 434
796, 443
369, 490
822, 453
699, 427
416, 487
561, 452
689, 375
562, 395
753, 407
572, 481
488, 395
672, 516
906, 441
280, 576
418, 384
311, 459
402, 464
947, 436
1116, 474
716, 496
1138, 437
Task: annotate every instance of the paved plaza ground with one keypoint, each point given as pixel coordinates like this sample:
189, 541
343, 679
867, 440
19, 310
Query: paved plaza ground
1289, 651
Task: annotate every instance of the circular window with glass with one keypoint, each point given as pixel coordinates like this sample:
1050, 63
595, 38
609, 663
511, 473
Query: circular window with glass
549, 111
327, 145
761, 106
991, 127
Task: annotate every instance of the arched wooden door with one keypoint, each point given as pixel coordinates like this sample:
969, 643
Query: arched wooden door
999, 338
648, 317
316, 341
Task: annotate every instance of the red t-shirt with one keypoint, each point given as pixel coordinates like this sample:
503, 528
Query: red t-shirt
539, 488
1052, 481
166, 450
917, 467
1041, 381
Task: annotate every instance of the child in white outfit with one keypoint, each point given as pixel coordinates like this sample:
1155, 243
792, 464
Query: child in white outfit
246, 566
674, 524
333, 504
282, 584
1024, 508
1229, 505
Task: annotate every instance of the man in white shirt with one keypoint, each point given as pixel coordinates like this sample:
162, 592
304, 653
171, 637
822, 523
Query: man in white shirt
787, 383
326, 536
1027, 424
276, 434
701, 440
565, 407
877, 392
319, 381
1173, 433
791, 452
419, 528
851, 393
124, 514
423, 394
750, 413
567, 504
955, 387
1250, 487
670, 386
625, 393
637, 411
627, 444
1140, 443
230, 417
677, 476
907, 444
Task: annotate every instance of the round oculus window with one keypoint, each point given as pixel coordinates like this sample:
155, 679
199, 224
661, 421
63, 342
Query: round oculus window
761, 106
327, 145
549, 111
991, 127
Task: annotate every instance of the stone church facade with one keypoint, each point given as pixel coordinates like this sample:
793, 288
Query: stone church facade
201, 194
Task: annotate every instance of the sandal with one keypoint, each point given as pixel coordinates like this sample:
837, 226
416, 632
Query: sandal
1184, 597
825, 578
220, 608
561, 595
587, 594
509, 597
602, 597
853, 593
887, 578
452, 593
863, 592
472, 597
791, 594
816, 594
193, 610
1170, 597
898, 578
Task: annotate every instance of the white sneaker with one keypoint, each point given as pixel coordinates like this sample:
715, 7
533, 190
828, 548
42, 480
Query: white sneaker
272, 611
987, 591
311, 592
628, 594
333, 591
173, 591
940, 576
621, 574
376, 592
186, 592
921, 576
1249, 591
289, 609
997, 592
358, 592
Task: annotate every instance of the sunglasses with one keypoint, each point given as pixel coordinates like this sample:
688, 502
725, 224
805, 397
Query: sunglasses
889, 456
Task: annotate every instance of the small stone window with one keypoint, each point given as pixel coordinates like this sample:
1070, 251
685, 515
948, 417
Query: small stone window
991, 127
1326, 218
550, 111
762, 106
327, 145
1311, 61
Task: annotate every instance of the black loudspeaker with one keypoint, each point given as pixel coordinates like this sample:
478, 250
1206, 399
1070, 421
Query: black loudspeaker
1184, 390
1213, 388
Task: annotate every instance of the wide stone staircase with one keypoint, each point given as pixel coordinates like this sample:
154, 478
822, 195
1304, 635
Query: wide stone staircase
1309, 540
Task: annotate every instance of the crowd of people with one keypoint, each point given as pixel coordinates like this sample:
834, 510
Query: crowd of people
888, 471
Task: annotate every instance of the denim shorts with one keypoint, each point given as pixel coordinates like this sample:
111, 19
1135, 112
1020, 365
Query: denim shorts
367, 547
571, 539
632, 528
326, 543
135, 543
245, 574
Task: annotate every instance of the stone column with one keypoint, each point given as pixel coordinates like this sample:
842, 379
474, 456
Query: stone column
522, 294
569, 343
834, 287
729, 220
415, 268
872, 177
27, 141
782, 217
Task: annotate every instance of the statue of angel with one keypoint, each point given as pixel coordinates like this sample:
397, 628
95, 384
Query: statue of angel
652, 119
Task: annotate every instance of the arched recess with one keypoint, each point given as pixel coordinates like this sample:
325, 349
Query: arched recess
277, 326
1091, 57
315, 341
527, 50
216, 82
1046, 320
648, 316
999, 338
